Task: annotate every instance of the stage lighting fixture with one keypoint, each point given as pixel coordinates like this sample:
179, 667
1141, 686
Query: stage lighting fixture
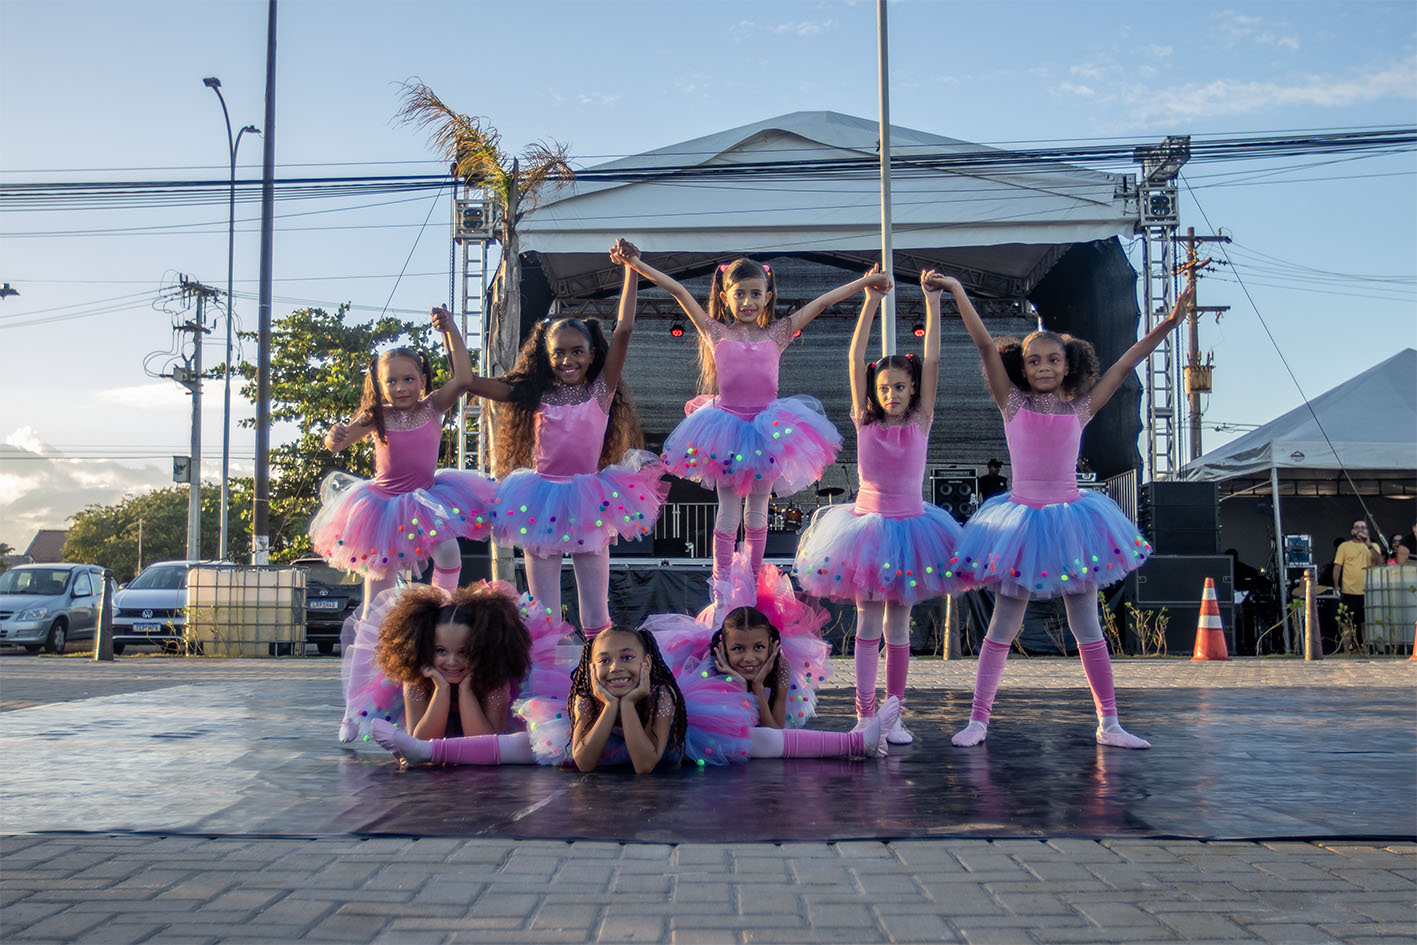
919, 330
676, 328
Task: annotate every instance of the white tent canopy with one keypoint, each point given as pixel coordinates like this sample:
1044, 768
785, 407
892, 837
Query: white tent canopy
1370, 421
1001, 225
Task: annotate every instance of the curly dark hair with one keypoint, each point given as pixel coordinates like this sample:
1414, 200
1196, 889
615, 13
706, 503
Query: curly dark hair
371, 403
724, 276
1083, 366
747, 618
903, 362
529, 379
498, 644
660, 680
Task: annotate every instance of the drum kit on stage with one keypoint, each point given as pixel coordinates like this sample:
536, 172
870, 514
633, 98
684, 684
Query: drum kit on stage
788, 517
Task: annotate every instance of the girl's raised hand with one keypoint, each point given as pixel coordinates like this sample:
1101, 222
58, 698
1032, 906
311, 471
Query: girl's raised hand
442, 320
606, 697
439, 680
1185, 303
878, 281
624, 252
641, 688
720, 661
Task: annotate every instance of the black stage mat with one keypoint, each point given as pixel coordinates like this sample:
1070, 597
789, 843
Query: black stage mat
246, 760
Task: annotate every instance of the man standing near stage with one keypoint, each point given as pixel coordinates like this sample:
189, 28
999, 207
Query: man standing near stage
993, 483
1354, 557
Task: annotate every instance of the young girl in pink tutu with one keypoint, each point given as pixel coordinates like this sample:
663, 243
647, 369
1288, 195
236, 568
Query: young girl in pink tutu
1045, 538
742, 439
889, 549
411, 510
447, 664
572, 480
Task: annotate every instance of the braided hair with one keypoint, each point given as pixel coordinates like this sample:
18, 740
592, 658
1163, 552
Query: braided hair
498, 644
901, 362
1081, 359
660, 680
371, 403
748, 618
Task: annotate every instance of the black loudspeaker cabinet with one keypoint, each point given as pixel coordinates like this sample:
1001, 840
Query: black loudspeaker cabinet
1176, 583
476, 561
1180, 518
951, 491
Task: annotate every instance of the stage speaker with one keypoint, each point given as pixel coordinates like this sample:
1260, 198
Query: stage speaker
476, 561
1175, 583
1180, 518
780, 545
642, 547
953, 490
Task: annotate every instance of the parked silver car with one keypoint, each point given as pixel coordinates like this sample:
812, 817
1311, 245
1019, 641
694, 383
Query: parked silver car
49, 605
152, 608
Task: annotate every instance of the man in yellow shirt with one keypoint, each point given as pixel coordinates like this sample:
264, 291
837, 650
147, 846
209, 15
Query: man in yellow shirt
1354, 556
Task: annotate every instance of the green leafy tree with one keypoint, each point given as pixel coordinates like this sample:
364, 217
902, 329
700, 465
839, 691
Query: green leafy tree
5, 552
318, 364
109, 535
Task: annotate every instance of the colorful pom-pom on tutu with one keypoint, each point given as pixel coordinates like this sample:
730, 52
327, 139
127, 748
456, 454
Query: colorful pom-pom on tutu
365, 531
368, 693
583, 513
786, 445
1067, 548
847, 557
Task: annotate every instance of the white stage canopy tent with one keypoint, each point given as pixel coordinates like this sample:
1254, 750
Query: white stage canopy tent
1371, 426
1000, 223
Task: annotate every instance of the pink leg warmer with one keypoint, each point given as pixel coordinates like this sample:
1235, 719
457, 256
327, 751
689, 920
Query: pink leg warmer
468, 750
757, 539
986, 681
867, 659
446, 578
722, 553
897, 666
1098, 667
804, 743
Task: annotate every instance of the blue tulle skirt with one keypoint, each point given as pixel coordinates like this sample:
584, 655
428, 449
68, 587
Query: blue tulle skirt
787, 445
849, 557
586, 512
1068, 548
363, 531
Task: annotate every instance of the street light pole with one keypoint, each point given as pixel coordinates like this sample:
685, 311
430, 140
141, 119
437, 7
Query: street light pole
213, 83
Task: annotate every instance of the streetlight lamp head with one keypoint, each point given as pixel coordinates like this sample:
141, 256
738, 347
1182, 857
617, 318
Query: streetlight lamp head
251, 130
212, 82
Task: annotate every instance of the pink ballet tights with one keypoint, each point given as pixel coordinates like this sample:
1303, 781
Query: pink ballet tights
867, 659
757, 539
723, 552
806, 743
1097, 665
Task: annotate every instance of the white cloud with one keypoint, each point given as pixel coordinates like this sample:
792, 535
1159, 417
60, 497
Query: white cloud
598, 98
1086, 70
1232, 97
155, 395
41, 488
1074, 89
803, 27
1237, 29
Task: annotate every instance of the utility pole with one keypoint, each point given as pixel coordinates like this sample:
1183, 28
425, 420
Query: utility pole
1198, 375
261, 502
189, 375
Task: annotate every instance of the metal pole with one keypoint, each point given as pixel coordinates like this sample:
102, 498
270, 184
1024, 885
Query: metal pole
887, 260
194, 466
1279, 568
103, 634
260, 512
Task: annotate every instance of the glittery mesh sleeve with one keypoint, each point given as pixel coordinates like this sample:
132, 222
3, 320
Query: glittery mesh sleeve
1014, 404
1082, 406
602, 392
780, 332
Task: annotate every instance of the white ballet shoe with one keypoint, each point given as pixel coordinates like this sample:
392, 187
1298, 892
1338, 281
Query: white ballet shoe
971, 735
887, 718
1111, 734
348, 731
403, 746
898, 734
861, 722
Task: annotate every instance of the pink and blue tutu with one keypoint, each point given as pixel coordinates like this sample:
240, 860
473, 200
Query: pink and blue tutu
1065, 548
580, 513
847, 556
787, 444
363, 529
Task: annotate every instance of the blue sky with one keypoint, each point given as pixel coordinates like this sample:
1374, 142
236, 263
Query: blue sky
113, 91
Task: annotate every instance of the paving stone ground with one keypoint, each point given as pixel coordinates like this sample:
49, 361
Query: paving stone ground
100, 886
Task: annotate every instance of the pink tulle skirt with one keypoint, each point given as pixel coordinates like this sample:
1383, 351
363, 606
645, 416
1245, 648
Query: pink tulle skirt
584, 513
1067, 548
786, 445
848, 557
362, 530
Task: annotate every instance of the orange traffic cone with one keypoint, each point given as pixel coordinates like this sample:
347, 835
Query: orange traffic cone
1414, 645
1210, 633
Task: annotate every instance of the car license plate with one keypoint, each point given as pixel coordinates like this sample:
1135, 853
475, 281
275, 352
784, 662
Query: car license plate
147, 627
325, 604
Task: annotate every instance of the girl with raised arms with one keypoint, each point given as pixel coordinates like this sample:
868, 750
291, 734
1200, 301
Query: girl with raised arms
1045, 538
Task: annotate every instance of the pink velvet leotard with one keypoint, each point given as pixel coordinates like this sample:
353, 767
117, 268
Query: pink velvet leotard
890, 461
